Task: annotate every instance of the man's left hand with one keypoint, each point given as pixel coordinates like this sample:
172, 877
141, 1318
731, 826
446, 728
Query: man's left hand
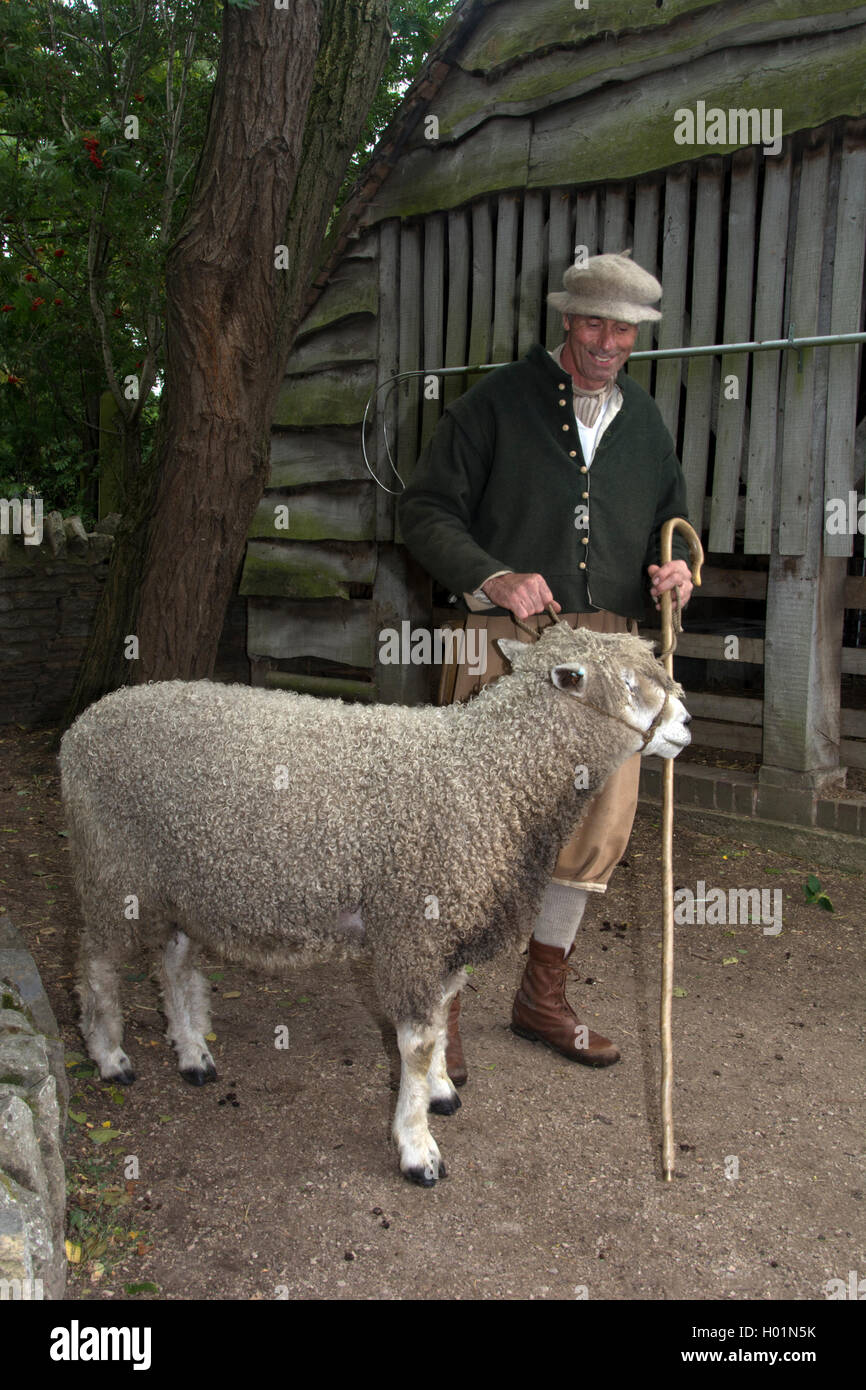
675, 574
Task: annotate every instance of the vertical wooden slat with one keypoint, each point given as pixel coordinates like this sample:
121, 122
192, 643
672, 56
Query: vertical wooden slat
409, 393
646, 233
735, 366
388, 359
481, 324
434, 317
560, 255
769, 306
457, 322
586, 223
799, 386
705, 301
675, 254
614, 229
845, 318
502, 347
531, 270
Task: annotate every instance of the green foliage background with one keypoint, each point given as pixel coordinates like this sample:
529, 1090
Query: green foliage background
87, 214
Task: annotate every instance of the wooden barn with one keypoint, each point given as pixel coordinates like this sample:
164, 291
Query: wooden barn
724, 143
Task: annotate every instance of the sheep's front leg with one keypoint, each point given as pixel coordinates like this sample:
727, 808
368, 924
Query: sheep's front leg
101, 1016
420, 1160
185, 995
443, 1097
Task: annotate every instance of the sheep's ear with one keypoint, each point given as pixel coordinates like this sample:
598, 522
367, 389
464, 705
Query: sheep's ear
511, 649
570, 678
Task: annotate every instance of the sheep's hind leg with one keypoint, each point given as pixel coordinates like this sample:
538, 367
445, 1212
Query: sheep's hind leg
185, 995
444, 1099
101, 1016
420, 1160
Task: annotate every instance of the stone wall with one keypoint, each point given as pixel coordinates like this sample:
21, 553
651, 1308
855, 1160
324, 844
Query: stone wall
48, 595
34, 1095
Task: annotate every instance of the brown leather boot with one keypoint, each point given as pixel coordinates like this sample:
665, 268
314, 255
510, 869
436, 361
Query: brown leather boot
542, 1013
455, 1063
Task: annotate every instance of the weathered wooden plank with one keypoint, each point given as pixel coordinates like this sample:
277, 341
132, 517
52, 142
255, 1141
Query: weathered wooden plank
633, 53
730, 426
411, 391
560, 255
855, 591
457, 321
619, 133
845, 318
852, 723
725, 583
304, 570
481, 324
671, 330
341, 512
328, 687
385, 450
434, 320
492, 158
797, 451
502, 345
586, 233
325, 398
737, 738
852, 753
735, 709
853, 661
704, 307
513, 31
645, 253
769, 303
614, 236
401, 593
341, 344
711, 646
353, 289
316, 456
532, 255
331, 629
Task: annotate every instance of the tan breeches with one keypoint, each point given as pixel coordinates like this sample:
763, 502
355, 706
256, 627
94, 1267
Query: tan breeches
590, 856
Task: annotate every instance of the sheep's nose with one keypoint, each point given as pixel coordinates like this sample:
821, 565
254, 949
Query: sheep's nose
687, 718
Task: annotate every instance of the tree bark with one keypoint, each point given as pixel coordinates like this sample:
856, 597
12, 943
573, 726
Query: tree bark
291, 95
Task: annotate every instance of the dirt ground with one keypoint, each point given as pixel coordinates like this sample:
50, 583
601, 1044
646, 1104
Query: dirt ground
281, 1181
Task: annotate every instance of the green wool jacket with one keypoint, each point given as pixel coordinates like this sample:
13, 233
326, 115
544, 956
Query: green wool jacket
503, 485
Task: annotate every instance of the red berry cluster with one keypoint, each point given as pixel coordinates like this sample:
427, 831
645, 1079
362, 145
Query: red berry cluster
91, 144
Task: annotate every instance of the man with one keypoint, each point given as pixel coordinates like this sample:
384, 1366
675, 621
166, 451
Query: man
501, 508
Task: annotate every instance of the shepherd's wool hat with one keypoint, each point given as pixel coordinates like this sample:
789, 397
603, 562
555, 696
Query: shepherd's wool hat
609, 287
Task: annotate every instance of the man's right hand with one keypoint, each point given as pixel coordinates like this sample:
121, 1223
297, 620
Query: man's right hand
522, 594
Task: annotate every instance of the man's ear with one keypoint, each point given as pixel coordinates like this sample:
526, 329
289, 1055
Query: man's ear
570, 678
511, 649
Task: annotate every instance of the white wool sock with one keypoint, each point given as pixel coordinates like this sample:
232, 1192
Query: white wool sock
559, 918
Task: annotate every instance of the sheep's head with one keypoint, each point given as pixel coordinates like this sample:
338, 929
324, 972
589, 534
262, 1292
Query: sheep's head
612, 673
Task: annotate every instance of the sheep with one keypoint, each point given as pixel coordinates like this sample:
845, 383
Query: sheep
279, 828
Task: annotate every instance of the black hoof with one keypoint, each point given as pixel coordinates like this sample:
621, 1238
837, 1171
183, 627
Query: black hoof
422, 1177
121, 1078
199, 1076
445, 1106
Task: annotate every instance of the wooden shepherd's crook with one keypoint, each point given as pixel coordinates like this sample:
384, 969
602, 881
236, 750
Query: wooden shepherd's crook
696, 556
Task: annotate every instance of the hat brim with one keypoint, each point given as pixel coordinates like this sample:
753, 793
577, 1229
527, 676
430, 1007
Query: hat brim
621, 310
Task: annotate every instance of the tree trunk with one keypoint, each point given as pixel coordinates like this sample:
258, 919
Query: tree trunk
291, 96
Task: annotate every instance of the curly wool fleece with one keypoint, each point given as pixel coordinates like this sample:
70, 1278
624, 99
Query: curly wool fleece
249, 818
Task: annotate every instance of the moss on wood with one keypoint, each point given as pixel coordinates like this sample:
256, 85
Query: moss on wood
316, 456
342, 513
321, 685
298, 570
325, 398
353, 289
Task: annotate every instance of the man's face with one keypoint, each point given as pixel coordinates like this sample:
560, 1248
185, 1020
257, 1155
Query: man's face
598, 348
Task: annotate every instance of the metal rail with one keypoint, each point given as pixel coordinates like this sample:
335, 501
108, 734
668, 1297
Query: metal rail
702, 350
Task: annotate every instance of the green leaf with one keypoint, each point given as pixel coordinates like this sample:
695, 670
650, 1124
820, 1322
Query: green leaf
679, 992
103, 1136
